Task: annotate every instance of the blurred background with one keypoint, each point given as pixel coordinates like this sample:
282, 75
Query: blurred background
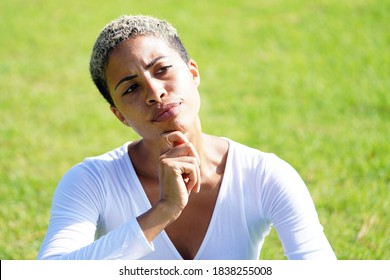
306, 80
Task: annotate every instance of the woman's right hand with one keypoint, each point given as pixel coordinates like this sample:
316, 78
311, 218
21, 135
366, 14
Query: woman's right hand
179, 170
179, 175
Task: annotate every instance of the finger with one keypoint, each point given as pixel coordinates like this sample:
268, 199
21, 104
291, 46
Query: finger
198, 180
176, 138
183, 150
175, 144
183, 169
191, 177
170, 140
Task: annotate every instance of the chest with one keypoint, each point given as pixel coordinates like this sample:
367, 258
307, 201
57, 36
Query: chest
189, 230
217, 226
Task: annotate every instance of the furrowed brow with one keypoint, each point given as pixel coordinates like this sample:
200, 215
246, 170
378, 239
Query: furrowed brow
154, 61
128, 78
149, 65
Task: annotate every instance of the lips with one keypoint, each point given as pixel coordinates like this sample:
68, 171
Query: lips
166, 112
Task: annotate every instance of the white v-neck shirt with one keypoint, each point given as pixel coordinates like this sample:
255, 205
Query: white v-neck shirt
96, 203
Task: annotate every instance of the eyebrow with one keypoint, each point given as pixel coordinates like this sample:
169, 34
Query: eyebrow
128, 78
150, 64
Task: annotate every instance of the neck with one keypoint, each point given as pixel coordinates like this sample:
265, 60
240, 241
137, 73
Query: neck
195, 136
148, 150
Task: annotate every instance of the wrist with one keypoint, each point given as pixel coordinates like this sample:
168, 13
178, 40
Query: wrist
158, 218
168, 211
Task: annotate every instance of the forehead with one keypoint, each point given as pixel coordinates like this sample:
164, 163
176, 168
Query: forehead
141, 49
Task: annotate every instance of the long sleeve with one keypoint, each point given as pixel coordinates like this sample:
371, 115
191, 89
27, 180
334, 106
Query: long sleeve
287, 204
75, 213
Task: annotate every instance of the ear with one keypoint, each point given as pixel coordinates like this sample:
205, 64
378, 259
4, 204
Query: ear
119, 115
193, 66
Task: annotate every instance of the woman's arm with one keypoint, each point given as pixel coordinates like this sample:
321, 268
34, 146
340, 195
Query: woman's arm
77, 202
80, 197
287, 204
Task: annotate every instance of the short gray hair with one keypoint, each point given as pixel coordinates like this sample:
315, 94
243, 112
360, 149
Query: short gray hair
122, 29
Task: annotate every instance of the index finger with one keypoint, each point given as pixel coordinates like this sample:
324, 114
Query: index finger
170, 140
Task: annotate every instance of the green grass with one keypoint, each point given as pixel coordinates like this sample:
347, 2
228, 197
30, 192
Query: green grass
307, 80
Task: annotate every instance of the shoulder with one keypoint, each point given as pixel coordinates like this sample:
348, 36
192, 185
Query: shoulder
86, 183
268, 170
110, 157
95, 170
242, 154
106, 162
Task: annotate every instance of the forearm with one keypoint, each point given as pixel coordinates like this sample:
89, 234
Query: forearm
125, 242
157, 219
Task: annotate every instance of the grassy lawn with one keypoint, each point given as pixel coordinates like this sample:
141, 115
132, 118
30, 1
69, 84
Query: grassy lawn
306, 80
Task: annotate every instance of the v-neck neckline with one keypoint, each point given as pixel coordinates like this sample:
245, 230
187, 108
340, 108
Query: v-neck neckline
214, 215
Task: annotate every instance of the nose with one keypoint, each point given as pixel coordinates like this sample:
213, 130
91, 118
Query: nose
155, 91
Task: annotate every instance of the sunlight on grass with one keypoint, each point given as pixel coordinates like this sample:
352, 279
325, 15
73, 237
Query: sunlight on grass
308, 81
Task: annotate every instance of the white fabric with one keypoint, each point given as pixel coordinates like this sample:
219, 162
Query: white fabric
96, 203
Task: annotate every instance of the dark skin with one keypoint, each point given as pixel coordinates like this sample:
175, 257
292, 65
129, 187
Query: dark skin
180, 168
188, 230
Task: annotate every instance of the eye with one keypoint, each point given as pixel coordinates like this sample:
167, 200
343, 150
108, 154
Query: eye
130, 89
163, 69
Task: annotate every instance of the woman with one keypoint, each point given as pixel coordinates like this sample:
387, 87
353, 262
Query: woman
176, 193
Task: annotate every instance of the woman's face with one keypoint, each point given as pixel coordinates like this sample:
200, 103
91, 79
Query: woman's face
153, 89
